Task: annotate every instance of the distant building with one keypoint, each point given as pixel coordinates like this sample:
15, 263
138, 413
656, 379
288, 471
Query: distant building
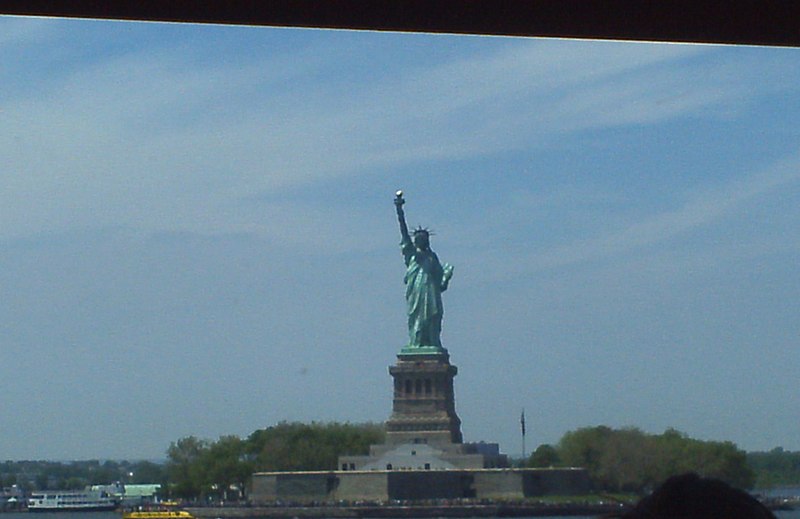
130, 496
138, 495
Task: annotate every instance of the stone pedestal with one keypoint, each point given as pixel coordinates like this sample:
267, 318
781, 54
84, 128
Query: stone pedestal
423, 409
424, 431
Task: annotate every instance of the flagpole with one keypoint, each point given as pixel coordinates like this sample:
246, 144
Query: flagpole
522, 426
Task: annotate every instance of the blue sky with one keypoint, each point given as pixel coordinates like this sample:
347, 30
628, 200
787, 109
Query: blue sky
197, 233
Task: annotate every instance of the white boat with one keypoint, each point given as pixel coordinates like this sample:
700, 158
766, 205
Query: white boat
69, 501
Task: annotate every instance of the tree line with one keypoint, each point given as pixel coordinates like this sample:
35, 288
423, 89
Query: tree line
203, 469
630, 460
775, 468
626, 460
76, 475
221, 470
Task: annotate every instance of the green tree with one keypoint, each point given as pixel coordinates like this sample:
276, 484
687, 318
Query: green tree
584, 447
630, 460
199, 468
8, 480
545, 455
777, 467
185, 472
41, 481
315, 446
147, 472
104, 474
625, 460
226, 465
73, 483
722, 460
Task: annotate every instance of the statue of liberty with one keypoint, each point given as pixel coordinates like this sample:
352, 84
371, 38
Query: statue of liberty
425, 281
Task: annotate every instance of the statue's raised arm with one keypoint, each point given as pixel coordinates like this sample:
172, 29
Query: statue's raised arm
425, 281
401, 216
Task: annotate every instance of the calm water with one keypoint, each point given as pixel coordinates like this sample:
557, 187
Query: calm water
795, 514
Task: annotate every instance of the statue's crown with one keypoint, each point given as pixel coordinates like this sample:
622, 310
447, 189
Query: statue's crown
422, 230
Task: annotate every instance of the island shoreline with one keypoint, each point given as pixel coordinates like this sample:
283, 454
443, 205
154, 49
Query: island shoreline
406, 511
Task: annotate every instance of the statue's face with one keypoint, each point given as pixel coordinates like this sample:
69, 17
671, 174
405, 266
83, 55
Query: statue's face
422, 240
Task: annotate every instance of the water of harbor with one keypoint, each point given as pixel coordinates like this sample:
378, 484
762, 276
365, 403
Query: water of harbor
792, 514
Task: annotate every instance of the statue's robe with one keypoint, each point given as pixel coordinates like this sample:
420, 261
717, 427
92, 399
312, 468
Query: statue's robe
423, 279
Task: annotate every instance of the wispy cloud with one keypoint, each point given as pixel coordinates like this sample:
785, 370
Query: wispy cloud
158, 138
698, 210
176, 198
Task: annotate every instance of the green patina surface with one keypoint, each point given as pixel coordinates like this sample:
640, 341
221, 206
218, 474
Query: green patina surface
423, 350
425, 279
